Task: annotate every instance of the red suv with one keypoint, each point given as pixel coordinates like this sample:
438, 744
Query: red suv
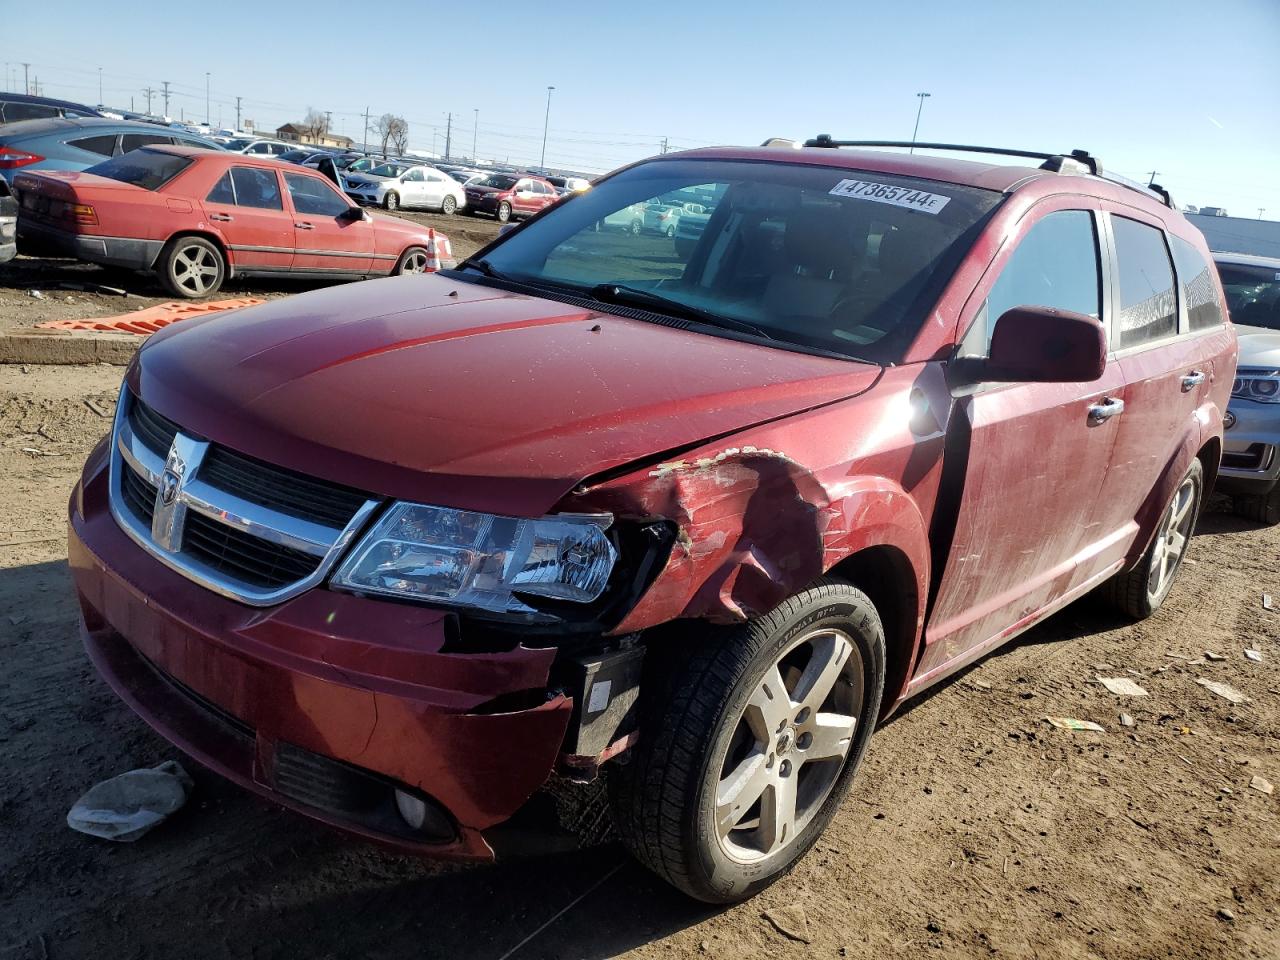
508, 195
416, 557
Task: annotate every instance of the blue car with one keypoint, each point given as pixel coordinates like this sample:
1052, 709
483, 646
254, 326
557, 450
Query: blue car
65, 143
22, 106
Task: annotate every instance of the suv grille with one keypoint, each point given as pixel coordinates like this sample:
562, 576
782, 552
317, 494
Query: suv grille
253, 531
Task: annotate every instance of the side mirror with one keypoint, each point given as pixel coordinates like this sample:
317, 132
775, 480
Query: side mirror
356, 214
1044, 345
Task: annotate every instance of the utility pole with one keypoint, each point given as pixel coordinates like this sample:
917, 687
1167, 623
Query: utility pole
165, 83
1152, 179
99, 86
664, 144
26, 79
237, 114
207, 112
1261, 211
147, 92
546, 122
919, 110
365, 144
475, 125
448, 137
328, 121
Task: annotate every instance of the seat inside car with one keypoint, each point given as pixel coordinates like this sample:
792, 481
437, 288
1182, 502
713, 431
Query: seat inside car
820, 258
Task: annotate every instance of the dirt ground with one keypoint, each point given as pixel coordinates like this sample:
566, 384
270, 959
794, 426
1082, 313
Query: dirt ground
70, 290
975, 829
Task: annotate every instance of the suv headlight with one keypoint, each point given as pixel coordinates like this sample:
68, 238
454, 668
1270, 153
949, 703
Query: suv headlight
1260, 385
480, 560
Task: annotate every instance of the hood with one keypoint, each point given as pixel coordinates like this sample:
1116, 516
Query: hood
447, 392
481, 188
1259, 347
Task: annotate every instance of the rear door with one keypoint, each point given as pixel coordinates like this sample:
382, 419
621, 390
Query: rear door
1026, 460
326, 239
247, 208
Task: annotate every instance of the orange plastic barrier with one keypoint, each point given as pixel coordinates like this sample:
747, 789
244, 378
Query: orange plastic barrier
151, 319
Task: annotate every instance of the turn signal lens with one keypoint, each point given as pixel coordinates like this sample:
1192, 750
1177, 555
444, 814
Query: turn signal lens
82, 213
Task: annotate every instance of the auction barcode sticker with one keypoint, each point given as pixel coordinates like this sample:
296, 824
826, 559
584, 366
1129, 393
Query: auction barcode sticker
887, 193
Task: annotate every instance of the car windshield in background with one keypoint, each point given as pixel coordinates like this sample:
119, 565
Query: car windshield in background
1253, 294
239, 143
149, 169
388, 170
838, 260
498, 182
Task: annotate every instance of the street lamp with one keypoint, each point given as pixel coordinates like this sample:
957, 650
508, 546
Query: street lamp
475, 125
99, 86
206, 98
545, 122
919, 110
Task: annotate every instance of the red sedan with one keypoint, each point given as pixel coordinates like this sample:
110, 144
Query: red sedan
196, 217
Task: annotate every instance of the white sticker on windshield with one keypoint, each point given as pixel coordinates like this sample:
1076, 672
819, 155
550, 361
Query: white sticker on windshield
887, 193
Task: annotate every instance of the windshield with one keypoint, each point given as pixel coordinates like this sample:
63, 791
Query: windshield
498, 181
388, 170
148, 169
239, 143
1253, 293
817, 257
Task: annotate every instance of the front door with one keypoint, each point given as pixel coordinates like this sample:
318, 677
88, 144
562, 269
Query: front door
246, 208
524, 201
1028, 459
413, 188
328, 238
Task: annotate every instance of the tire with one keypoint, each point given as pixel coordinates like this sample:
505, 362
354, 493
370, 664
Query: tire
671, 233
1263, 509
449, 205
704, 699
1133, 591
192, 267
391, 201
504, 212
413, 260
636, 228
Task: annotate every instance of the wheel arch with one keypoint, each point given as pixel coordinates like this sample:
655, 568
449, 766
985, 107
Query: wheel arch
213, 238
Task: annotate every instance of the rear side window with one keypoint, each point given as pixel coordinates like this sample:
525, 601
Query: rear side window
104, 145
1196, 278
1055, 265
1148, 308
149, 169
132, 141
314, 196
256, 188
10, 112
223, 191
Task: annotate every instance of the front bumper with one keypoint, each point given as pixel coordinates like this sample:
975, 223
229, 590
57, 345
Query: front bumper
485, 203
1251, 449
325, 703
129, 252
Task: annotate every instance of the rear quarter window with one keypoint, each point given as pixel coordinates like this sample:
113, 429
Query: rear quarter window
148, 169
103, 145
1195, 277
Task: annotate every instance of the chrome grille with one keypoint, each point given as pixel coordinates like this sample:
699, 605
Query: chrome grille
246, 529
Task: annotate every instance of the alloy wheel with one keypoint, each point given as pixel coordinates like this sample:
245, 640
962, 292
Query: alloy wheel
1171, 539
415, 262
195, 270
789, 745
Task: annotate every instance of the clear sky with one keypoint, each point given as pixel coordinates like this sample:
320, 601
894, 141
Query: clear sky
1189, 88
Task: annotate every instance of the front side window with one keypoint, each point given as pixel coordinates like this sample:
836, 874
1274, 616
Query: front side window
1054, 265
256, 188
1148, 309
1195, 278
149, 169
414, 176
1253, 293
836, 260
314, 196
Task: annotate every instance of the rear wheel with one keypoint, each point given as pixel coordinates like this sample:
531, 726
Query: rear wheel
192, 267
671, 232
1140, 591
504, 212
749, 739
636, 227
391, 201
413, 260
449, 205
1263, 509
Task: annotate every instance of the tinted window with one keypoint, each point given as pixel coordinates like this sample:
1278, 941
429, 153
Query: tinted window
104, 145
148, 169
1253, 293
132, 141
27, 111
1148, 308
314, 196
498, 182
1196, 280
1054, 265
256, 188
222, 191
260, 148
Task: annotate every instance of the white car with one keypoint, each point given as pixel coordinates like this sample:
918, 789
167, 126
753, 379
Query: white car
394, 184
259, 146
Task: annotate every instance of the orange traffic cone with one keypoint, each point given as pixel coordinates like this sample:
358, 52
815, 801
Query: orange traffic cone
433, 250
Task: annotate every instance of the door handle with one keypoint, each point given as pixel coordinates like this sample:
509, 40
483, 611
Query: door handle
304, 226
224, 217
1109, 407
1192, 380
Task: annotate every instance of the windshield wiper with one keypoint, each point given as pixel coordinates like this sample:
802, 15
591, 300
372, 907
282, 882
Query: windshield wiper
483, 266
623, 295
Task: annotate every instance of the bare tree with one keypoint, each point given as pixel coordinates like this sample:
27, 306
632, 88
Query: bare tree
316, 125
394, 131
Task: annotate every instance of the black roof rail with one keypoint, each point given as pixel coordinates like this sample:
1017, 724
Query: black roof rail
1080, 156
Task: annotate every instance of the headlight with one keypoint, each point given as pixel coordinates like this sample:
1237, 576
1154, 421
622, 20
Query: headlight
1260, 385
480, 560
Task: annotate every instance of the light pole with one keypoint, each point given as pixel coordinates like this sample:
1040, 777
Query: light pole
206, 98
99, 86
919, 110
475, 126
545, 123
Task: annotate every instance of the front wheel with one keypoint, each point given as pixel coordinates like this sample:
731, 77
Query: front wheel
449, 205
413, 260
1260, 508
671, 232
192, 267
1140, 591
391, 201
749, 738
504, 212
